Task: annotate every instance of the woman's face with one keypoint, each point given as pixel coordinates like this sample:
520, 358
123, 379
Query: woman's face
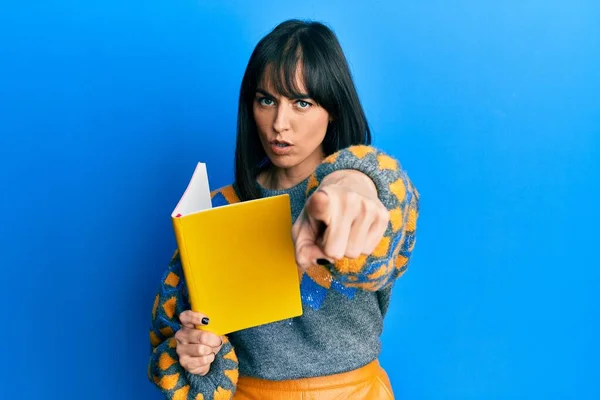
291, 130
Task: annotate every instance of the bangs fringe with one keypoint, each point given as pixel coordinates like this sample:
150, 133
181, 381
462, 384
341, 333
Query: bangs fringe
279, 73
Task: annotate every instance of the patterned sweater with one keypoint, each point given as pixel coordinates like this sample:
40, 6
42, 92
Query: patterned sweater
343, 304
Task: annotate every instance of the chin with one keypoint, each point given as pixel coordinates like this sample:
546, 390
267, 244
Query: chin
284, 162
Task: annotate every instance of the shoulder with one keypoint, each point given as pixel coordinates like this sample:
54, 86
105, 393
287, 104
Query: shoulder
224, 195
363, 154
366, 159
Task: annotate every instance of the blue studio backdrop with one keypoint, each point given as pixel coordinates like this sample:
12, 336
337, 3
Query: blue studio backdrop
492, 107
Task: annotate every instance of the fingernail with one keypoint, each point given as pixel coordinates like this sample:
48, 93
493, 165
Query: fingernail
322, 261
205, 321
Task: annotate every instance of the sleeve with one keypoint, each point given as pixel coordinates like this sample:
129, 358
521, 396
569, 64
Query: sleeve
398, 194
164, 369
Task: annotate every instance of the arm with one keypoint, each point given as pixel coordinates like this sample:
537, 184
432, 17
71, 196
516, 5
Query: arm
391, 186
164, 368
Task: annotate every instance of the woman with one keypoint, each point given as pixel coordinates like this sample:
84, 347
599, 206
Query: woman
301, 131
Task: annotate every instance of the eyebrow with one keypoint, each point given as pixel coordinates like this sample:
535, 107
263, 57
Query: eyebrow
265, 93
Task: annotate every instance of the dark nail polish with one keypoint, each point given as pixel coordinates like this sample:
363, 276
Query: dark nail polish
322, 261
204, 321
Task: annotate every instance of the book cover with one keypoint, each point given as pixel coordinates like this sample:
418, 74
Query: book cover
238, 259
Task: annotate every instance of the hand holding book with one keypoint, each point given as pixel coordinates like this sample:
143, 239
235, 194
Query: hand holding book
197, 349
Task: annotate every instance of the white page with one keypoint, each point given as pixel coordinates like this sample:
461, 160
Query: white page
197, 195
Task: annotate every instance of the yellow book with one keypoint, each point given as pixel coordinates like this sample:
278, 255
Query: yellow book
238, 259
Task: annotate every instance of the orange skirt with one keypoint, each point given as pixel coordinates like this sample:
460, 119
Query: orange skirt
366, 383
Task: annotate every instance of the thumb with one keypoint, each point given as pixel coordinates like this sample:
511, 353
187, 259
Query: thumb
190, 319
306, 238
307, 254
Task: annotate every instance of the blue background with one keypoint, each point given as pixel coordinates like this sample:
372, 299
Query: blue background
492, 107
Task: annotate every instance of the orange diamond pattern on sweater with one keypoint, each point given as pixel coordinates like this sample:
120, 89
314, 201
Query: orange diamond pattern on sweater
172, 279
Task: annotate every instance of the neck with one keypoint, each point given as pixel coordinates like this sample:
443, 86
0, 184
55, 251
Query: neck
284, 178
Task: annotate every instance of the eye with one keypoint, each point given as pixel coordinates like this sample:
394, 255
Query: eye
303, 104
265, 101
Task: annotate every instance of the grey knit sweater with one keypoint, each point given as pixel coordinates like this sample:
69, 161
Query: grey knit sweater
343, 304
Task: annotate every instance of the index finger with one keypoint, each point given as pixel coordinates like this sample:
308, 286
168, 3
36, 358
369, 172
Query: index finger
318, 206
205, 338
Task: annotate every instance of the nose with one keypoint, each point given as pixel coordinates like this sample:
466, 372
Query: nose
282, 119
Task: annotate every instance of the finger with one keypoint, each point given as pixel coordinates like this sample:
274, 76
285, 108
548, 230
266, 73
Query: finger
218, 348
202, 371
307, 254
377, 230
206, 338
318, 207
305, 234
196, 364
183, 335
194, 350
358, 234
197, 336
191, 319
335, 239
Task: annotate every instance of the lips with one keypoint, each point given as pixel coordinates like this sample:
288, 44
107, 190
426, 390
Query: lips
280, 142
280, 147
